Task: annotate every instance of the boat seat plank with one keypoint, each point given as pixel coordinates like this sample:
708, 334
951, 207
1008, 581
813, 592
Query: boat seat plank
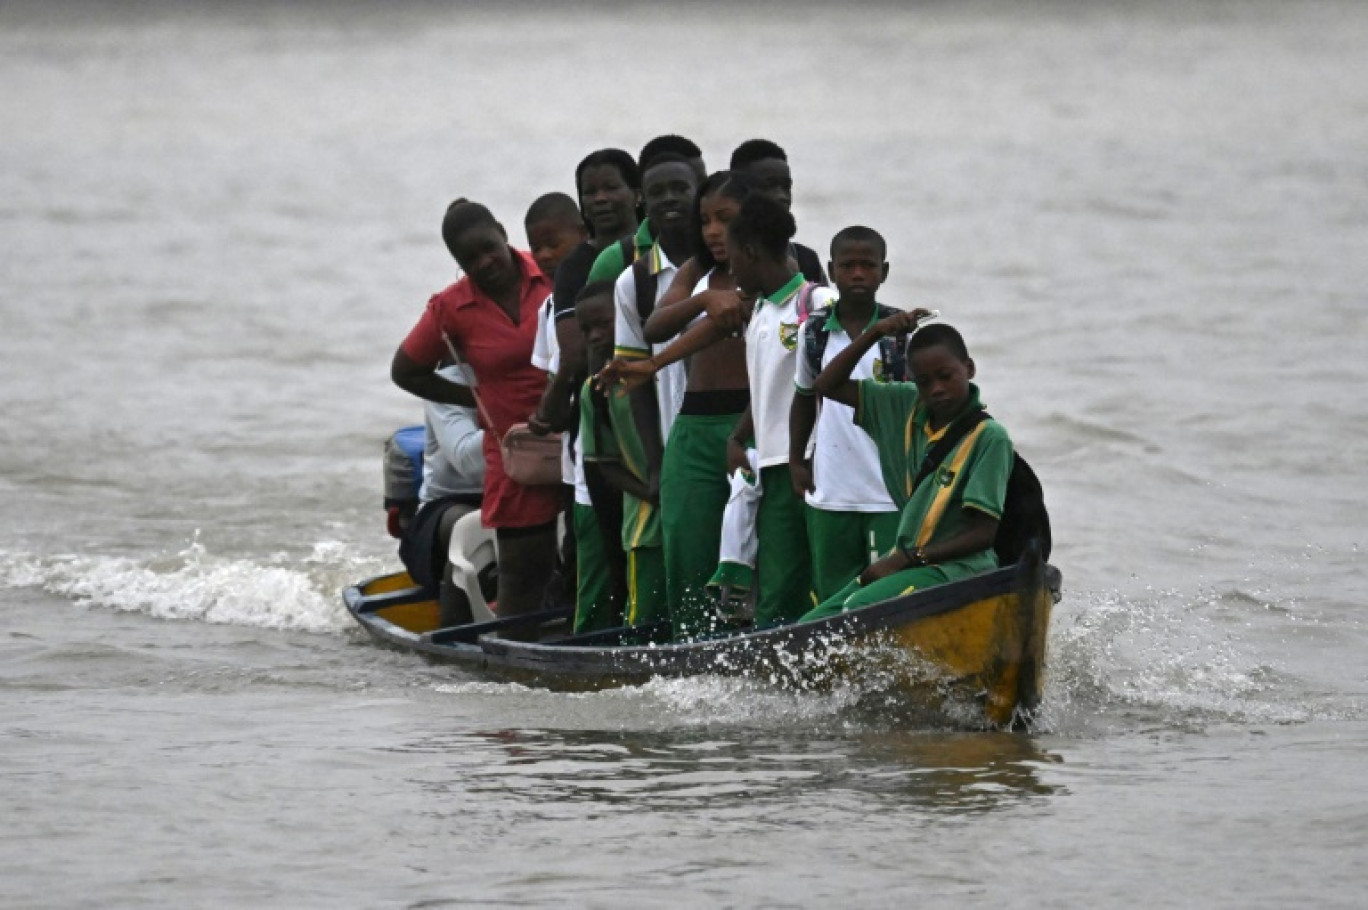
471, 631
373, 603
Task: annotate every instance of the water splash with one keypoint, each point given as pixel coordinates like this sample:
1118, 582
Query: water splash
833, 684
1168, 657
1152, 657
276, 592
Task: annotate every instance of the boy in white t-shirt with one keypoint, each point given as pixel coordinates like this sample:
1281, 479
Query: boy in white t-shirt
554, 229
851, 519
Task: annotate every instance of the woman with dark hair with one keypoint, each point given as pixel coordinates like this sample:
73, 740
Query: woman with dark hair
490, 317
609, 187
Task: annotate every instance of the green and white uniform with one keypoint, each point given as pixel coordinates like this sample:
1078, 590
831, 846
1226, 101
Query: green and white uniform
693, 495
611, 263
972, 476
783, 574
851, 518
641, 539
629, 334
594, 606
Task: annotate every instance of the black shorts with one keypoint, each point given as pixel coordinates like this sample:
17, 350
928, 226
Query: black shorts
419, 549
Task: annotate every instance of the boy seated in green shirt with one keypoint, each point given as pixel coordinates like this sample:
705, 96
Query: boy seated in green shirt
949, 518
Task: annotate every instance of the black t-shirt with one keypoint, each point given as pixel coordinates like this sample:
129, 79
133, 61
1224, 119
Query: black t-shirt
571, 276
809, 263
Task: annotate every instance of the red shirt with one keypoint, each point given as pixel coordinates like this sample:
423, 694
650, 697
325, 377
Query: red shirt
499, 353
496, 350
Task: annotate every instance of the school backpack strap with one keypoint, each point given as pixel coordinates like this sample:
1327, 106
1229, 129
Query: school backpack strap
816, 338
892, 350
1025, 519
646, 282
804, 302
946, 444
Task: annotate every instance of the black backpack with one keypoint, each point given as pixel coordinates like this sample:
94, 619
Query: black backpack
1024, 517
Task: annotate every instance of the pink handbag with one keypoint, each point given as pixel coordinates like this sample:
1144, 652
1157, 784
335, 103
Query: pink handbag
529, 459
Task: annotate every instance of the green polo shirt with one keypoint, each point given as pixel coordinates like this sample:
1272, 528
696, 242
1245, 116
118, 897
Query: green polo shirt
972, 476
611, 263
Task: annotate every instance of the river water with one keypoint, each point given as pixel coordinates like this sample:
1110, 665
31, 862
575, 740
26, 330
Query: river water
1150, 220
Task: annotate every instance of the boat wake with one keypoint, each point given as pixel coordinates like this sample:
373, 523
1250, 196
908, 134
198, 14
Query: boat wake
1158, 658
280, 592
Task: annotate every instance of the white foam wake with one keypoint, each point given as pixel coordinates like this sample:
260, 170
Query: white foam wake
1166, 656
278, 592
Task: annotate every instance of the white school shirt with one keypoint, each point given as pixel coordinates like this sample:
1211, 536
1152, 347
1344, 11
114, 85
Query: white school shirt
546, 356
575, 473
771, 343
629, 339
845, 460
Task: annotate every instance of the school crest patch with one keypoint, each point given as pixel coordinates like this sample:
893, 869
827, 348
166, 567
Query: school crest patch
945, 476
788, 335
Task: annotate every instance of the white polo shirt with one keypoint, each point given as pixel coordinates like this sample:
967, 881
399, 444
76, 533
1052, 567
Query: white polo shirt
845, 460
771, 346
629, 339
546, 356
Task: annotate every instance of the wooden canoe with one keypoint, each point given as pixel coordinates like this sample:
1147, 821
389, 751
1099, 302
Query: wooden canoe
979, 641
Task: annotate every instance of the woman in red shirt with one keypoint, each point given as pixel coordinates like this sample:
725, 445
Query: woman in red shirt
490, 315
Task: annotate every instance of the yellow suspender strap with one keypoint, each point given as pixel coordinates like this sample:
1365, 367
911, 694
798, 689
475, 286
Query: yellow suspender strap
907, 448
938, 505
